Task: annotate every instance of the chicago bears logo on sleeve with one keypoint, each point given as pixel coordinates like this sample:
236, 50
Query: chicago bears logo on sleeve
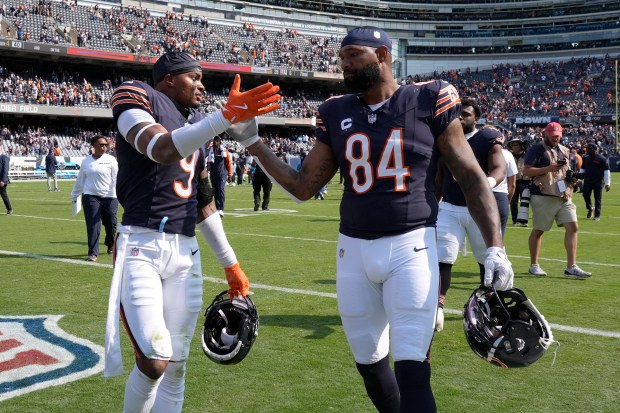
447, 98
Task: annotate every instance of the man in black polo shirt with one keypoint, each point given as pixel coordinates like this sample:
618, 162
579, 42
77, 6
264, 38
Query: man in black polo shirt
596, 174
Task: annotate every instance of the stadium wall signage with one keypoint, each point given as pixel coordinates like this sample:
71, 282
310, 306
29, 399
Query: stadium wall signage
36, 353
599, 119
35, 47
535, 120
55, 110
296, 25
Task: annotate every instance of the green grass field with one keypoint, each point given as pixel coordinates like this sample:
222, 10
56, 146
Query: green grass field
300, 361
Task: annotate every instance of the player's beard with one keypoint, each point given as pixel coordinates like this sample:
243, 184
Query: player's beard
361, 80
549, 143
468, 128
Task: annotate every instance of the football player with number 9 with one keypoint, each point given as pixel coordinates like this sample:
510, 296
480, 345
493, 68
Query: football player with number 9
386, 140
157, 282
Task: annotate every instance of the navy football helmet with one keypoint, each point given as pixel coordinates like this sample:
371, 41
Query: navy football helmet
230, 328
505, 328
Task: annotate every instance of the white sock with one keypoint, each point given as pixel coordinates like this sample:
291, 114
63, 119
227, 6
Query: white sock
140, 392
171, 393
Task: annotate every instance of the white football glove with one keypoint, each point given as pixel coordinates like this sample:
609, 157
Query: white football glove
245, 133
497, 269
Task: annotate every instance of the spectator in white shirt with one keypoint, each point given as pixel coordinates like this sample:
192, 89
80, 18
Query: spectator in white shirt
96, 181
504, 191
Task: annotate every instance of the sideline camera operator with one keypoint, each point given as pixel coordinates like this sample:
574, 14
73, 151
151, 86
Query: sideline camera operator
551, 192
520, 202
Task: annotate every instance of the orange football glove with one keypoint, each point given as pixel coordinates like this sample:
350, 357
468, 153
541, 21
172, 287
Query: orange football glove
237, 281
246, 105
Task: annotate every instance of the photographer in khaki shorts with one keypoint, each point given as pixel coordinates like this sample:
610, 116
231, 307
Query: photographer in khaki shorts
547, 162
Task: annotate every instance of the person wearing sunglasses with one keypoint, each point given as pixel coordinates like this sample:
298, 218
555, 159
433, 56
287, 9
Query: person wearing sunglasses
96, 185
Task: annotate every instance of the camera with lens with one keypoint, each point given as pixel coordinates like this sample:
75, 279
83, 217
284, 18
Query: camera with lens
524, 207
573, 176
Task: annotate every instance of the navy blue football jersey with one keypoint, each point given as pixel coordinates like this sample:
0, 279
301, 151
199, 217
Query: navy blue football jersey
161, 197
595, 166
481, 144
388, 157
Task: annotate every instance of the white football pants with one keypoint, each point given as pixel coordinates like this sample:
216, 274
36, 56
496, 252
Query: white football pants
161, 292
388, 286
453, 223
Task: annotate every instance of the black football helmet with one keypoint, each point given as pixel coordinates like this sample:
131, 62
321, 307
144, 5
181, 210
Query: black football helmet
505, 328
230, 328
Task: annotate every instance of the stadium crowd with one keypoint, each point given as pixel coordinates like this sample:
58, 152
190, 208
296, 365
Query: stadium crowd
135, 30
567, 89
23, 140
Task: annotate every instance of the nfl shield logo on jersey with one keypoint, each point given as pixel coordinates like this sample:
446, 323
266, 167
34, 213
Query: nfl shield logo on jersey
36, 353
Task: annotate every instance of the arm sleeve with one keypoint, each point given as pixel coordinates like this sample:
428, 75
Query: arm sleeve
213, 232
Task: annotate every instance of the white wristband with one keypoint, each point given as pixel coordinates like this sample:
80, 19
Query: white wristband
492, 181
249, 142
213, 232
191, 137
137, 138
149, 148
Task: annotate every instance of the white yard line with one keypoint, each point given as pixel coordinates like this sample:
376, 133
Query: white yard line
256, 286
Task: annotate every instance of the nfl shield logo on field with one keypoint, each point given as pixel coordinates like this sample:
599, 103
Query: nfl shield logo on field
36, 353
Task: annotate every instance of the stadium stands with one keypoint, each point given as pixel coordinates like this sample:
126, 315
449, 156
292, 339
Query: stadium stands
572, 90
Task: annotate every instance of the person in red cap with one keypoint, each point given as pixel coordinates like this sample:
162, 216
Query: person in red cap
547, 162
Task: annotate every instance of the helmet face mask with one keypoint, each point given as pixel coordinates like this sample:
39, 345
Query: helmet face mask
230, 329
505, 328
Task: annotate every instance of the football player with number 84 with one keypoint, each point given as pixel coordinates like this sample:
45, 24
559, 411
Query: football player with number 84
386, 140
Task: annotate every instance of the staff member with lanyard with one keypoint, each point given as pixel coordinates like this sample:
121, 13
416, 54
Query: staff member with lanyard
97, 181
